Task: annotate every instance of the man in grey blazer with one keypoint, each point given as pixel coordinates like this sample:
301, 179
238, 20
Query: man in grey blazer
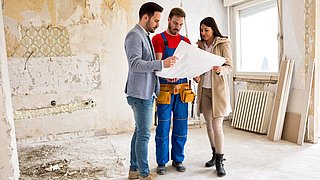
143, 85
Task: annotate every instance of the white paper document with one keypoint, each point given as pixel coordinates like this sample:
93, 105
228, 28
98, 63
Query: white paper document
191, 62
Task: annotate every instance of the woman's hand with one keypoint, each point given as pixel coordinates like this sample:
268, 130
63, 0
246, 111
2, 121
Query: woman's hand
196, 79
216, 69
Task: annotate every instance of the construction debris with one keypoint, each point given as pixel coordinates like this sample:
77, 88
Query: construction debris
70, 159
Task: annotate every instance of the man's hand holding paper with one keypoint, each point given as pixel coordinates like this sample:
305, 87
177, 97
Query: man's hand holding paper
169, 61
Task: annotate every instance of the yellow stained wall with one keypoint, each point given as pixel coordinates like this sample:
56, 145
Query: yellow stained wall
55, 13
13, 8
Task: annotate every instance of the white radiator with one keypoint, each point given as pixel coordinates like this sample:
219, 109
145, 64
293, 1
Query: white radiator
252, 111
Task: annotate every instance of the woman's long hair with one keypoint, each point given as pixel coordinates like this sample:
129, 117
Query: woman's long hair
210, 22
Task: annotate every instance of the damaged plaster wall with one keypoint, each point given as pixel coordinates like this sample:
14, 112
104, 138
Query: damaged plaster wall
9, 165
294, 50
55, 75
297, 48
64, 54
60, 52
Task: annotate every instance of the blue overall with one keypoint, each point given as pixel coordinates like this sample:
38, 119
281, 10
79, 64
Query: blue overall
180, 121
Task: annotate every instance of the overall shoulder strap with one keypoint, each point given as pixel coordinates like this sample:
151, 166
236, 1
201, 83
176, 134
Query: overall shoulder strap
164, 39
181, 37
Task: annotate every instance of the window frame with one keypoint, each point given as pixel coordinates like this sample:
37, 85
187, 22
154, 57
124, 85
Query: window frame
235, 35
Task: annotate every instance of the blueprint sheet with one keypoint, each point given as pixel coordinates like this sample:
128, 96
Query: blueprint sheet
191, 62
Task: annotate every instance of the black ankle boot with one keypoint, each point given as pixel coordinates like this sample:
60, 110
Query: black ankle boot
212, 161
219, 165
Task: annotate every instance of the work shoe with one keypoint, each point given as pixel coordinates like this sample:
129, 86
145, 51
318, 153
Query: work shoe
179, 166
151, 176
133, 175
161, 169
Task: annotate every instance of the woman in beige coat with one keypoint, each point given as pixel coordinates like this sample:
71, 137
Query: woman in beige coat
213, 90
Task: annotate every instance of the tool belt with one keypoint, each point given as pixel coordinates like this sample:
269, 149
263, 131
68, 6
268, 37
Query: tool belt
186, 94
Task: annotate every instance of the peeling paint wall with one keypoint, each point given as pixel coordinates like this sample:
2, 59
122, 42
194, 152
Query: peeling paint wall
55, 75
9, 165
68, 8
71, 51
28, 12
298, 47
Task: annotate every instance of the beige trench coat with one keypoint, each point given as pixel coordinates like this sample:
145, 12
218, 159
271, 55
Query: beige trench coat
220, 88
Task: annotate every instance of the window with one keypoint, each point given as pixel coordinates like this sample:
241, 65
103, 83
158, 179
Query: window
256, 37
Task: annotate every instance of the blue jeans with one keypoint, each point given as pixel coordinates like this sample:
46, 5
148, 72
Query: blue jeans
142, 111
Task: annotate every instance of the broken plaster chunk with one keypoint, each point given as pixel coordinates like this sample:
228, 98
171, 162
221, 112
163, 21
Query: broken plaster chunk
55, 167
49, 169
52, 168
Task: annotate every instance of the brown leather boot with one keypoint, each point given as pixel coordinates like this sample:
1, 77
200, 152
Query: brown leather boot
151, 176
133, 175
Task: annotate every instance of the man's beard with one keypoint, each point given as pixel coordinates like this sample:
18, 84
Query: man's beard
173, 31
149, 28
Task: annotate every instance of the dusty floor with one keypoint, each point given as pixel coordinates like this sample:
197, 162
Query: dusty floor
250, 156
71, 159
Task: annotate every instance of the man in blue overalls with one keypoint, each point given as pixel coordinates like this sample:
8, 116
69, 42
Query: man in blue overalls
165, 44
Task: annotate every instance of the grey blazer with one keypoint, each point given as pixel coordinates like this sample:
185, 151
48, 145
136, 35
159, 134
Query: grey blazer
141, 81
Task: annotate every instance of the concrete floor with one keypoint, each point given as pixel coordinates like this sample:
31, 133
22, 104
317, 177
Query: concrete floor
250, 156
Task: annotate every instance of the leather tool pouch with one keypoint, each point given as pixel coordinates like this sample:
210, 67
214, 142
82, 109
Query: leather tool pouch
187, 95
164, 97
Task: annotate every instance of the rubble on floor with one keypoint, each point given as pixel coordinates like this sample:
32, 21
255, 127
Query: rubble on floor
70, 159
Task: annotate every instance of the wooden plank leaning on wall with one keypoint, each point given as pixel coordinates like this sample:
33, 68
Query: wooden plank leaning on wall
281, 100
